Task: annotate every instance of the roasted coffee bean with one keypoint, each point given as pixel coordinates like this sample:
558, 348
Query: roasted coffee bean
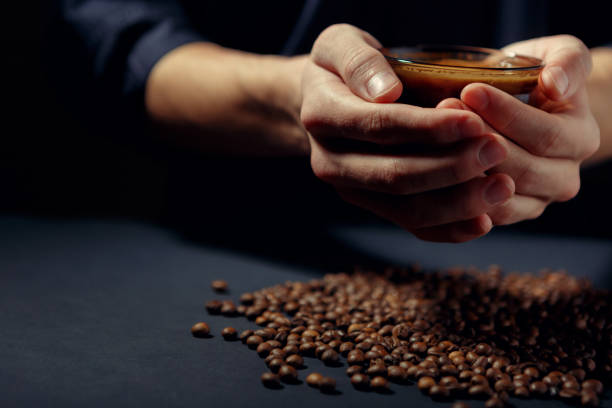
522, 392
291, 349
483, 349
460, 405
425, 383
245, 335
569, 393
314, 380
275, 364
254, 341
589, 398
355, 357
295, 360
532, 372
263, 349
449, 381
200, 330
480, 389
270, 380
439, 391
377, 370
379, 383
247, 299
214, 307
593, 385
287, 374
503, 385
494, 402
329, 357
229, 333
354, 369
307, 349
418, 347
538, 388
327, 384
219, 285
228, 308
346, 347
360, 381
396, 373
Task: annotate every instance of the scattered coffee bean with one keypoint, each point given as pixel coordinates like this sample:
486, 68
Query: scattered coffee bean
275, 364
270, 380
214, 306
219, 285
360, 381
351, 370
460, 332
295, 360
593, 385
245, 335
200, 330
327, 384
229, 333
314, 380
253, 341
425, 383
287, 374
329, 357
379, 383
439, 391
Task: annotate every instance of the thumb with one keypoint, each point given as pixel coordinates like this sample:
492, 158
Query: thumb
567, 63
353, 55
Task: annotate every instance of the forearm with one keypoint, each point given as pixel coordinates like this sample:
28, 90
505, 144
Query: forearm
223, 101
600, 98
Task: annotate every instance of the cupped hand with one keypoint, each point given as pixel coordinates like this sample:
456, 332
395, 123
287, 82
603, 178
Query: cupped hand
423, 169
548, 138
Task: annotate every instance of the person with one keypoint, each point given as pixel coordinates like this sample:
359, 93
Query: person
491, 159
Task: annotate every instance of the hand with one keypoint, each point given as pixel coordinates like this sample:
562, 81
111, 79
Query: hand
420, 168
547, 141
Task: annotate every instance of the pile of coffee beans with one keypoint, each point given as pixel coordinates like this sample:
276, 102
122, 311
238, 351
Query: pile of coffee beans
457, 334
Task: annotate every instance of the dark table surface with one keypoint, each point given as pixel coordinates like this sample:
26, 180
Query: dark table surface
97, 312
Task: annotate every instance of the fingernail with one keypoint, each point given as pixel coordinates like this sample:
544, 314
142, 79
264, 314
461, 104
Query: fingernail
491, 153
497, 192
380, 83
555, 77
479, 99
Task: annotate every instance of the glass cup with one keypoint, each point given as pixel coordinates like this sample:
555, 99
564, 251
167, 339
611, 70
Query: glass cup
431, 73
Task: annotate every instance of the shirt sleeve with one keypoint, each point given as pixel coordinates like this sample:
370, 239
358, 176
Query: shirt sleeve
123, 39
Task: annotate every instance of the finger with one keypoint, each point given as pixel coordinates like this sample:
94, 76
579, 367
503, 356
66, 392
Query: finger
331, 110
518, 208
567, 63
353, 55
408, 174
457, 232
569, 135
453, 204
546, 178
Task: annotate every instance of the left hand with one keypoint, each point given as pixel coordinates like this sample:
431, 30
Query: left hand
547, 139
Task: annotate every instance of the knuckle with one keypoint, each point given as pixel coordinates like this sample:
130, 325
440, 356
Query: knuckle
536, 212
548, 139
373, 122
570, 189
594, 138
323, 169
504, 214
389, 176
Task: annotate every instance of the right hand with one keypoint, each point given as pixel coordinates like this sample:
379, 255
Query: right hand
420, 168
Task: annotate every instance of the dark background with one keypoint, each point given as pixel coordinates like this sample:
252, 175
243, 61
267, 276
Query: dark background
53, 161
